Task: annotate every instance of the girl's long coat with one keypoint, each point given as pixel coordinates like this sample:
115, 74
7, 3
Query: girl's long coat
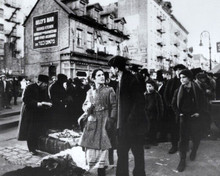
101, 118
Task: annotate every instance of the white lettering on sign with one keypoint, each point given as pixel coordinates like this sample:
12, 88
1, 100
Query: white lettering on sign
45, 32
39, 38
40, 21
50, 36
50, 19
46, 42
51, 26
49, 42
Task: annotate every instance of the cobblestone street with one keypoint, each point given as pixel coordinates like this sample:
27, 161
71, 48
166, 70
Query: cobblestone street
14, 155
19, 156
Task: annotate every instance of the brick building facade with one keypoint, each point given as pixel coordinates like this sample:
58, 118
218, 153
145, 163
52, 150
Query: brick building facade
70, 37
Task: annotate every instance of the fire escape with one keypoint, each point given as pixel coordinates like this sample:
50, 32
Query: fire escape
12, 34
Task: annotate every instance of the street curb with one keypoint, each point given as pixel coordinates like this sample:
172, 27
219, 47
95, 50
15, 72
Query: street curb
9, 125
7, 121
8, 114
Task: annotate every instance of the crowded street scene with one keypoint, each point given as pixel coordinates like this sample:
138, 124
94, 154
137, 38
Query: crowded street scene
114, 88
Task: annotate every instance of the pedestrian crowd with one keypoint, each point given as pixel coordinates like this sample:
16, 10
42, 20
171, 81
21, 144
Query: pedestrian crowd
10, 89
123, 109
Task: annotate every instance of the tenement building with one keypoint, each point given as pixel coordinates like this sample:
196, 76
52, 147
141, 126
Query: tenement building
71, 37
157, 39
11, 41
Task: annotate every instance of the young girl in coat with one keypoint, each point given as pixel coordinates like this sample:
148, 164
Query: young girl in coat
100, 106
153, 109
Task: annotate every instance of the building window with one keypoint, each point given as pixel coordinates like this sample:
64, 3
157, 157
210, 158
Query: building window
14, 32
96, 15
1, 44
1, 27
79, 37
89, 40
111, 42
120, 26
1, 13
110, 23
14, 18
118, 47
82, 7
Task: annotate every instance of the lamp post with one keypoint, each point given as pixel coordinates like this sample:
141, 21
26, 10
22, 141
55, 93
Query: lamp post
210, 48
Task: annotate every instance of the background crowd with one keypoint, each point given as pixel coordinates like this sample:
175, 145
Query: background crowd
168, 106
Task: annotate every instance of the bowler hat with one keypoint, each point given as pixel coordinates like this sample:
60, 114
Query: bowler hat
145, 71
118, 61
43, 78
61, 77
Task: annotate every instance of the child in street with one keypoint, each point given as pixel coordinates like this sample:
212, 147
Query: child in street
154, 111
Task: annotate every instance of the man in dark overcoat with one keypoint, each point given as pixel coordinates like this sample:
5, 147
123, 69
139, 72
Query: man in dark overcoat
170, 119
15, 89
4, 91
34, 112
189, 105
131, 119
59, 98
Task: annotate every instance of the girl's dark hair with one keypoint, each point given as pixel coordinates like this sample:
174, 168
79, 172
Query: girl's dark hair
95, 71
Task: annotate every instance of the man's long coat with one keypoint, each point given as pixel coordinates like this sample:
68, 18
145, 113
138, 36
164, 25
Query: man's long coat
132, 121
33, 120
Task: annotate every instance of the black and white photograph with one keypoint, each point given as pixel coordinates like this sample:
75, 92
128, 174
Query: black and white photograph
109, 88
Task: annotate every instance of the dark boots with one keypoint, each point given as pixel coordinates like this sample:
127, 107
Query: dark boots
173, 149
182, 165
101, 171
192, 155
195, 147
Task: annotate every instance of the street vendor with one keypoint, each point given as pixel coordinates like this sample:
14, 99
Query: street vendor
34, 112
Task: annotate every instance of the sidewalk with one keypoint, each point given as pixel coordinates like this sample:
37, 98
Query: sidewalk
14, 109
10, 117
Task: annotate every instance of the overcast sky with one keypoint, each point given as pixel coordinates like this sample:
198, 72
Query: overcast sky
196, 16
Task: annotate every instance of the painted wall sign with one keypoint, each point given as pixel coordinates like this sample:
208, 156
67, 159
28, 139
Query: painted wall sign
45, 30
